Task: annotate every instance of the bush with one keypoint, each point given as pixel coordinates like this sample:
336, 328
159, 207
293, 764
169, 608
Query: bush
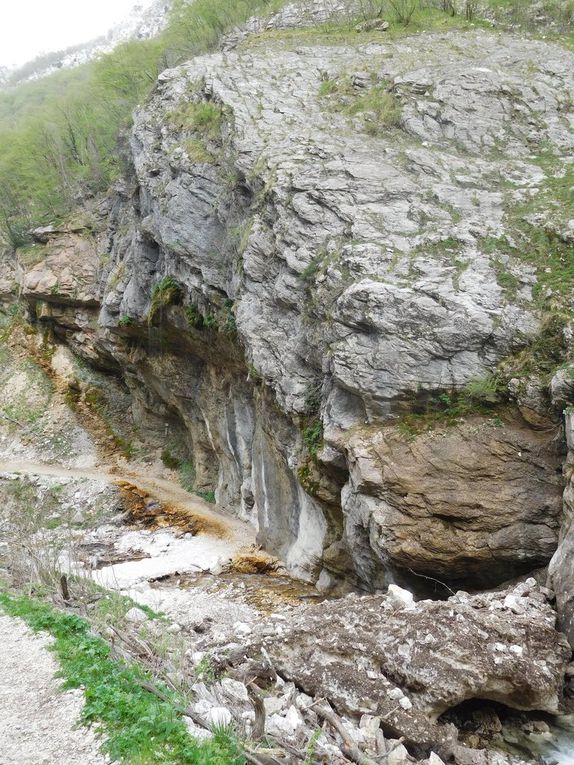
169, 460
165, 293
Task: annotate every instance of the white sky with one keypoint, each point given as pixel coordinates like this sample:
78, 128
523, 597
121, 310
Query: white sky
31, 27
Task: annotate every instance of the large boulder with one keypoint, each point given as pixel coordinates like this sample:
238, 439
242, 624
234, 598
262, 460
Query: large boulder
409, 662
475, 503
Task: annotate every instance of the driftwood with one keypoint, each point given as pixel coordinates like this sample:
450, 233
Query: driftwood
64, 588
259, 709
348, 747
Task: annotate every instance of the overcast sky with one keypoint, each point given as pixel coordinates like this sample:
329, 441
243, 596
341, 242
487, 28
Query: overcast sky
30, 27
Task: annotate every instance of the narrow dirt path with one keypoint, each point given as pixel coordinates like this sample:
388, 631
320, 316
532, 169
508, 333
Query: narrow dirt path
238, 533
37, 721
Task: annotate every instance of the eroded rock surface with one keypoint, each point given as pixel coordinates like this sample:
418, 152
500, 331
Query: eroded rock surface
330, 265
474, 502
409, 663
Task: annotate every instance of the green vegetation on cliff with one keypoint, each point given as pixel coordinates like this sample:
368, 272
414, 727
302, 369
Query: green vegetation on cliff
60, 135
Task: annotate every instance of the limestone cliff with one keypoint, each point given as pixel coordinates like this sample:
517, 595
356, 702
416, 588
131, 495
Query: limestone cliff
335, 278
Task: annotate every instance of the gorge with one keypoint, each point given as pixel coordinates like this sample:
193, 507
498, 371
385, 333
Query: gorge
334, 284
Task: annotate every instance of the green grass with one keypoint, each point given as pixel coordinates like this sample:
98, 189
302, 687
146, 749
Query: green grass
187, 476
138, 727
377, 107
208, 496
204, 120
484, 396
112, 607
187, 479
344, 31
165, 293
544, 353
170, 460
534, 224
197, 151
225, 323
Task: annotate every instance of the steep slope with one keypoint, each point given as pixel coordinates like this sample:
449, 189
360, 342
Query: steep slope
327, 247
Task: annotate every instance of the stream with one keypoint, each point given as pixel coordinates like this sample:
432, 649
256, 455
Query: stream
176, 554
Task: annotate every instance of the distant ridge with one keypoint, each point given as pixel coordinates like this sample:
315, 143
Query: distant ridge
141, 23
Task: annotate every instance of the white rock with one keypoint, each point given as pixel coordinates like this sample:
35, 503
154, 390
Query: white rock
242, 629
276, 725
274, 705
136, 616
400, 598
302, 701
434, 759
174, 628
196, 731
398, 756
219, 717
234, 689
405, 703
202, 707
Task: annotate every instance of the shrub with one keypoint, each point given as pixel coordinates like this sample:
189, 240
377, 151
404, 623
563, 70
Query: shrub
166, 292
313, 436
170, 460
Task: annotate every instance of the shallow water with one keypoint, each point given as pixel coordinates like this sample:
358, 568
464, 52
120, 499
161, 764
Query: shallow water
560, 747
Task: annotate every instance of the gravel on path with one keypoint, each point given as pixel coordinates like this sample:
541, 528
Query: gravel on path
38, 723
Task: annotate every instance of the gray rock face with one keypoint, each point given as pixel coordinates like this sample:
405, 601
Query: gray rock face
325, 213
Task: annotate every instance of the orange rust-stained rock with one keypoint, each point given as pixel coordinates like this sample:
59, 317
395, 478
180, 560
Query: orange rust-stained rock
144, 509
254, 562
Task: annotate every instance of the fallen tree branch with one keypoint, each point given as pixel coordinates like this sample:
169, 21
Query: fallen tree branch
348, 746
259, 709
432, 579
